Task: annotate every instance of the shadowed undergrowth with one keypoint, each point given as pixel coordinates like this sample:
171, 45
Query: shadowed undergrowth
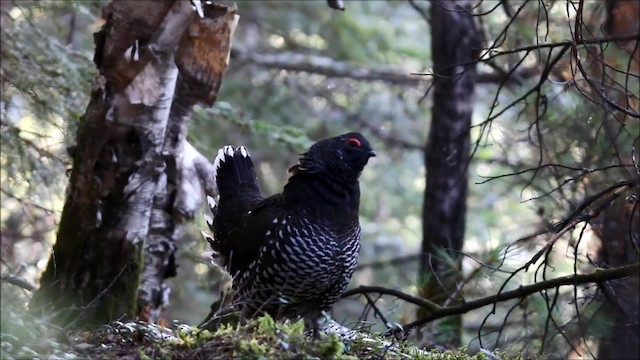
25, 336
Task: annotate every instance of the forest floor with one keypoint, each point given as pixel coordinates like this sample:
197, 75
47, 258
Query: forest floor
23, 336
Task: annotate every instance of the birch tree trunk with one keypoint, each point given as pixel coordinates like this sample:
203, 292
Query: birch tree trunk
454, 41
134, 178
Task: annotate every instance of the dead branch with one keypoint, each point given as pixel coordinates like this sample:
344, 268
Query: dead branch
336, 69
437, 312
416, 300
18, 281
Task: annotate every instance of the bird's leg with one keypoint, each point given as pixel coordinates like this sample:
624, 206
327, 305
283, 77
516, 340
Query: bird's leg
312, 321
311, 325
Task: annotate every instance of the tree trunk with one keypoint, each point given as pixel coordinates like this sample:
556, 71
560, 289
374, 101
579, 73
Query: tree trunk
454, 40
134, 176
617, 227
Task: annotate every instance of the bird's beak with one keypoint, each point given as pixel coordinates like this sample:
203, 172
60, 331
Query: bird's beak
372, 153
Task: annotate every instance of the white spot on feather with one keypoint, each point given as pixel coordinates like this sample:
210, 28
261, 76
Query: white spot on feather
211, 201
208, 219
206, 236
132, 53
244, 151
110, 114
219, 159
98, 218
127, 54
135, 52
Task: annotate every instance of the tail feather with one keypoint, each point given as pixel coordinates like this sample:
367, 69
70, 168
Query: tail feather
213, 206
238, 188
235, 174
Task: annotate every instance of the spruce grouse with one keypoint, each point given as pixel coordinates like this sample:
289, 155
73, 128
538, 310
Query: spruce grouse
292, 254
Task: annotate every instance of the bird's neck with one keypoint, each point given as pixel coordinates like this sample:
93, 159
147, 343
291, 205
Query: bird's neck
327, 195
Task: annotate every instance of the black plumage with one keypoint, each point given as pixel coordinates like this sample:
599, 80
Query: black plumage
291, 254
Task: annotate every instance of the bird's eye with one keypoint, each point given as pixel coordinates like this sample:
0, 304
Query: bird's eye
354, 142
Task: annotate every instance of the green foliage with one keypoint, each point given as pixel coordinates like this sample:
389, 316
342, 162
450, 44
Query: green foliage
45, 87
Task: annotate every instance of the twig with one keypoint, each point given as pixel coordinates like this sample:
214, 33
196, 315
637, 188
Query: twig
376, 311
423, 303
18, 281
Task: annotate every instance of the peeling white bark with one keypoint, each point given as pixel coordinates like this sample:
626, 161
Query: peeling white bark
154, 88
129, 165
146, 88
187, 170
205, 170
189, 192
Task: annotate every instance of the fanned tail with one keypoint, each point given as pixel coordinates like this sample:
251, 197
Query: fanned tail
238, 187
235, 174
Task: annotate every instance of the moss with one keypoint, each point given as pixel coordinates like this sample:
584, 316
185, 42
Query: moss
254, 347
266, 338
266, 325
127, 285
262, 338
331, 347
109, 295
191, 337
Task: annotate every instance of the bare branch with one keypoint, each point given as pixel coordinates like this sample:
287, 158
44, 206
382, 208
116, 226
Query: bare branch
596, 276
416, 300
18, 281
336, 69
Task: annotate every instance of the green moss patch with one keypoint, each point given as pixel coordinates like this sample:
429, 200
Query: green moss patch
24, 336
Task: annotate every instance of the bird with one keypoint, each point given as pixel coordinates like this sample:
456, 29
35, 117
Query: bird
290, 255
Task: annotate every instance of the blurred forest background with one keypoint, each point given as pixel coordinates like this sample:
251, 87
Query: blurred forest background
553, 180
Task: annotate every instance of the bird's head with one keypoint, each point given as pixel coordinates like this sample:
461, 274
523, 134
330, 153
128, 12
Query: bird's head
344, 155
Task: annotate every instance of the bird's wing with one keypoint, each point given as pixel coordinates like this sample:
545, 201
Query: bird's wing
255, 226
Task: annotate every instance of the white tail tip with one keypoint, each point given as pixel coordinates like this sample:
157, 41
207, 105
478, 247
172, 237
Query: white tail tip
206, 235
208, 219
243, 151
212, 202
219, 158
